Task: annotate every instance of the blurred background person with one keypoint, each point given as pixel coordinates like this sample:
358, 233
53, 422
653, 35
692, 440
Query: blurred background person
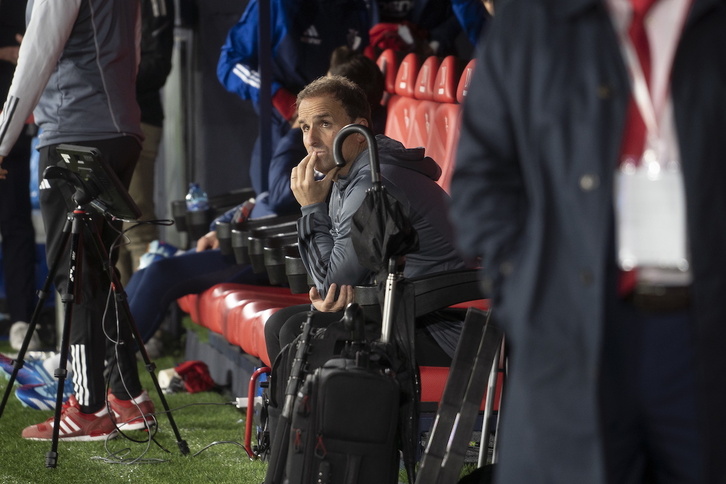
304, 35
16, 224
76, 72
157, 43
425, 27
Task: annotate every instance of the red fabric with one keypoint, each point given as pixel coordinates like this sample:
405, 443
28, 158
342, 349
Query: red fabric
635, 131
634, 140
195, 375
284, 101
386, 35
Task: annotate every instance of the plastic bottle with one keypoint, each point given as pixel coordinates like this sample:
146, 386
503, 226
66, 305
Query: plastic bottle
196, 198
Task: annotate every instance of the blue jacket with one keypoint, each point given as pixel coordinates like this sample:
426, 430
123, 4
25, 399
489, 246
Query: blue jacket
304, 35
279, 199
472, 16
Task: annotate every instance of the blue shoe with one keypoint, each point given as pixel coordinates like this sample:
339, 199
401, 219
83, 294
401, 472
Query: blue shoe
32, 373
42, 397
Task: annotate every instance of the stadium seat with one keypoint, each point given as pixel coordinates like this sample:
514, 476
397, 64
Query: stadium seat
424, 108
388, 62
401, 105
445, 132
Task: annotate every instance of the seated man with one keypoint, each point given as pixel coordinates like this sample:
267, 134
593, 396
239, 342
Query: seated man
152, 289
324, 107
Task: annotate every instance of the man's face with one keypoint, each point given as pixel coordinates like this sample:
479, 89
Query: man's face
320, 119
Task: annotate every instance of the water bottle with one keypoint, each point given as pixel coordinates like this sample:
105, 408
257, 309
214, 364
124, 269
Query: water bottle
196, 198
198, 215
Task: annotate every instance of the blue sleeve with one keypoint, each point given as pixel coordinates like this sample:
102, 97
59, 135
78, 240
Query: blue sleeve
288, 154
472, 16
238, 64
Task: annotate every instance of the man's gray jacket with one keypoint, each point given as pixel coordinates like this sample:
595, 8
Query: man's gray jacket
325, 243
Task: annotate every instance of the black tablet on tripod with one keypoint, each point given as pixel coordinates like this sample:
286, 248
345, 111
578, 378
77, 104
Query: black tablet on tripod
97, 187
95, 182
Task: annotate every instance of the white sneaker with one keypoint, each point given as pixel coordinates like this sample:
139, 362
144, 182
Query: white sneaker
17, 335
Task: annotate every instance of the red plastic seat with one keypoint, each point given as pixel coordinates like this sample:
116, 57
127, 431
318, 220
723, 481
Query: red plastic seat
426, 79
215, 302
188, 304
246, 322
445, 132
444, 139
388, 62
465, 81
245, 331
424, 108
401, 105
433, 381
447, 80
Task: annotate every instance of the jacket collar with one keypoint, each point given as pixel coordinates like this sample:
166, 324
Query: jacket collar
360, 163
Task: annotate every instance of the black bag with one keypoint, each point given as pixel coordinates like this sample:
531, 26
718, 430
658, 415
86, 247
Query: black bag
351, 383
344, 425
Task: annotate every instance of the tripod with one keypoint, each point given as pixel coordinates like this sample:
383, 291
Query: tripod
76, 221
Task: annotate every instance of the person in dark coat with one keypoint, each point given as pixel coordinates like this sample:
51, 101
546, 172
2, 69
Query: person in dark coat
608, 383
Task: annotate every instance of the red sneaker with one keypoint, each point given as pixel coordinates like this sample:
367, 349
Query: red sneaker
132, 414
74, 425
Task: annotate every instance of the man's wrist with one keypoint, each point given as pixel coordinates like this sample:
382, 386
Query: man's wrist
319, 207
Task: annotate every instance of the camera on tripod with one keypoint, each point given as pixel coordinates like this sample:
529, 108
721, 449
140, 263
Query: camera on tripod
96, 185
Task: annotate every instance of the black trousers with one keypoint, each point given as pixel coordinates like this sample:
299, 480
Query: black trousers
18, 235
94, 314
648, 397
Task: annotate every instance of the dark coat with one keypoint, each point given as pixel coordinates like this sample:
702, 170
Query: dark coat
532, 194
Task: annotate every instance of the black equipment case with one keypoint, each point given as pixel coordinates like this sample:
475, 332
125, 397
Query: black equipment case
344, 425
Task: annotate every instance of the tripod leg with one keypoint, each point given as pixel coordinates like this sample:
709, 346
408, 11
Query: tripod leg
102, 253
42, 297
51, 458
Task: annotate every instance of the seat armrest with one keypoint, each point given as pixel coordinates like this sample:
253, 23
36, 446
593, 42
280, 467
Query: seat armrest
443, 289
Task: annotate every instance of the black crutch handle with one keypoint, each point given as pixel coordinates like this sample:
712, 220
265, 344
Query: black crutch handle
372, 148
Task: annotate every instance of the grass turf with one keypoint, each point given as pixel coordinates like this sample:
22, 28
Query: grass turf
202, 419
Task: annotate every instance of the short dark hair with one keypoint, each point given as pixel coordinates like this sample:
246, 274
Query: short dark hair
348, 93
360, 69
